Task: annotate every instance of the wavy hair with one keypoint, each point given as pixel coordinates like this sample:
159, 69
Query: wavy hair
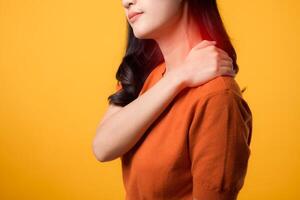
143, 55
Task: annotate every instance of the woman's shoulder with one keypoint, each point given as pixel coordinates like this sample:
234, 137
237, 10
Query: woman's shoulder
220, 94
225, 89
217, 85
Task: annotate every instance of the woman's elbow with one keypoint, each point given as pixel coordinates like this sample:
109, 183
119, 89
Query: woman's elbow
99, 152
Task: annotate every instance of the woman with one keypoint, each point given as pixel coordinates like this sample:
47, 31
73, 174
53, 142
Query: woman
178, 120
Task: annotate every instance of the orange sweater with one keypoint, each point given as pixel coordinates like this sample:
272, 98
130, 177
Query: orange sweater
198, 147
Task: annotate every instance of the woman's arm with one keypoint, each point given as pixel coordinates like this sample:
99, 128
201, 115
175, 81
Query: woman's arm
125, 127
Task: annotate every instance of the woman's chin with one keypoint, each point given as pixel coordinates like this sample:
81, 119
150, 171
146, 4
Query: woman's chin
141, 35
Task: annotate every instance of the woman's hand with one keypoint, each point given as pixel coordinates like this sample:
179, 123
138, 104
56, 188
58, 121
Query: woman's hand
204, 62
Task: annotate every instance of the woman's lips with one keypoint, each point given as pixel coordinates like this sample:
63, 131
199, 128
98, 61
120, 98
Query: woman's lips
135, 17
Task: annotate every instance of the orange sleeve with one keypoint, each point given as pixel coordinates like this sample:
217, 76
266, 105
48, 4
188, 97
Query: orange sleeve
218, 146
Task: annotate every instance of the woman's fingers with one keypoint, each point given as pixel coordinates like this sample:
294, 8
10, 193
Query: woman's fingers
224, 63
204, 43
222, 51
225, 70
223, 54
225, 66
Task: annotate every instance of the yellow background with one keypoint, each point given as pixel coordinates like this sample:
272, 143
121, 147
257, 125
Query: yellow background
58, 61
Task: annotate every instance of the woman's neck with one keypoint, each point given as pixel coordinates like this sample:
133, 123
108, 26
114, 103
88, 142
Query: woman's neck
176, 44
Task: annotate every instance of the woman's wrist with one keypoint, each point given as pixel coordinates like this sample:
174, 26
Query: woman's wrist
176, 80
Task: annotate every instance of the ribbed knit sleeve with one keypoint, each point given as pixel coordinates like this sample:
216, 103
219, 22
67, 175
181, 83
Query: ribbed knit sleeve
219, 139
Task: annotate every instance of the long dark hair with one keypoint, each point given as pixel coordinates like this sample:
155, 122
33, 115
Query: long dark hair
142, 55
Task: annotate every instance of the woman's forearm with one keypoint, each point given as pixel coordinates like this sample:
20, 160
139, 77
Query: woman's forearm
121, 131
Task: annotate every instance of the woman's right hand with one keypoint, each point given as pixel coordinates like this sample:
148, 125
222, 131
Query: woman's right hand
204, 62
